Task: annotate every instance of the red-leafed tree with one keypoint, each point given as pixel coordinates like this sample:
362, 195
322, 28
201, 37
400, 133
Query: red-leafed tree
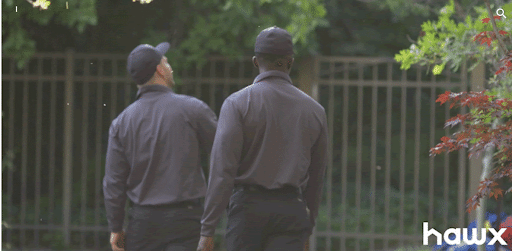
487, 128
480, 129
478, 133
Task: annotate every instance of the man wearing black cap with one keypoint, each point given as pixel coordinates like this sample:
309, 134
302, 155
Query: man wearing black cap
269, 155
153, 158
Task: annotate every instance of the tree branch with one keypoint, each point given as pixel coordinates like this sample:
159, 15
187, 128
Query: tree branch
410, 39
495, 28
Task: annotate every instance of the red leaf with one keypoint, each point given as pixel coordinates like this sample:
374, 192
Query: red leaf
486, 20
488, 40
498, 192
500, 137
479, 35
502, 32
500, 70
443, 97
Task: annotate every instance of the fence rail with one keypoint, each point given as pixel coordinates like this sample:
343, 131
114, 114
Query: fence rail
380, 183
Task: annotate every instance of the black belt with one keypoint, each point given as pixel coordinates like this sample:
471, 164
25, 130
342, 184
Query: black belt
185, 203
257, 188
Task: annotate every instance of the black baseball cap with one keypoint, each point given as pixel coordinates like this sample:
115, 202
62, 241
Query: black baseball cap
274, 40
143, 60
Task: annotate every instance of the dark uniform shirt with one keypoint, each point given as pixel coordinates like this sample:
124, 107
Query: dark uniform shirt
270, 134
153, 154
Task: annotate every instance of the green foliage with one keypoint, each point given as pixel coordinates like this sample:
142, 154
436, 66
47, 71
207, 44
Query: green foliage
231, 29
447, 41
80, 14
501, 86
225, 28
403, 8
370, 28
19, 44
437, 37
364, 214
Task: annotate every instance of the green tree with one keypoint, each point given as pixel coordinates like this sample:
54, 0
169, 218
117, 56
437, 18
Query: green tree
19, 44
405, 8
484, 39
195, 28
377, 28
446, 41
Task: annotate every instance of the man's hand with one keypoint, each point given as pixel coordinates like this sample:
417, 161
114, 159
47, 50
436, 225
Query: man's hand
117, 241
306, 247
205, 243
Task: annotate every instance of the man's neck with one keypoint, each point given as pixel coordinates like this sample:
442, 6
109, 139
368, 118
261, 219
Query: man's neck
263, 70
154, 83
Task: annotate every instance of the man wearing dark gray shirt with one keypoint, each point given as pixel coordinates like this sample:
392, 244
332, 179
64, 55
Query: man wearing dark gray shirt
269, 155
153, 158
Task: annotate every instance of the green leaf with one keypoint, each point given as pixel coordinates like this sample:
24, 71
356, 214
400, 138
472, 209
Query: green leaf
228, 5
438, 69
448, 10
507, 9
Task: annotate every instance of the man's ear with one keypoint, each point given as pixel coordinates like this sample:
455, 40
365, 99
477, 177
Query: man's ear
255, 62
160, 70
290, 63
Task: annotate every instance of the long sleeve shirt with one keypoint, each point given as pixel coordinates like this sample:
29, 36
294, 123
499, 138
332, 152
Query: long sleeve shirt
269, 134
153, 154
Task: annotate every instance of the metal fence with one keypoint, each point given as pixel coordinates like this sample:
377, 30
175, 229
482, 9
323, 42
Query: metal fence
56, 114
383, 122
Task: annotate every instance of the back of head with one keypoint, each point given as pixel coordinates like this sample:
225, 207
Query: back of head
273, 61
274, 48
143, 60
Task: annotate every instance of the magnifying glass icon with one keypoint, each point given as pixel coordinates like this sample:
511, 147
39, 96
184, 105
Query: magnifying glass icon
502, 13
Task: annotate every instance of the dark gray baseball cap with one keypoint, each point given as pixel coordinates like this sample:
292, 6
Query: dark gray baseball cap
274, 40
143, 60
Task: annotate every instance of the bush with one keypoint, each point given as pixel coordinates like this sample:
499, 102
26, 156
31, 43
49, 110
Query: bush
366, 220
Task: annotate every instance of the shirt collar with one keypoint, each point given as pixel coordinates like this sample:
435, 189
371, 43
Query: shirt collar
272, 74
152, 88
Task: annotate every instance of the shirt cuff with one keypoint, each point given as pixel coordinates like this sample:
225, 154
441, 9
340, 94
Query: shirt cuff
116, 229
207, 231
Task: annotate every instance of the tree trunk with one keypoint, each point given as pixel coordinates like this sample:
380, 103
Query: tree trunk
487, 168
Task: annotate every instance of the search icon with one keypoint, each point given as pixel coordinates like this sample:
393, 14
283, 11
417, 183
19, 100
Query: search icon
502, 13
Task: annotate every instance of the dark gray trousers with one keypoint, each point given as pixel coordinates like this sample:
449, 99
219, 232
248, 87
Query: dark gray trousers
164, 228
266, 221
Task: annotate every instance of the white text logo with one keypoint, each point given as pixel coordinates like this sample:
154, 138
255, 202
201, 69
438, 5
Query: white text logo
465, 236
